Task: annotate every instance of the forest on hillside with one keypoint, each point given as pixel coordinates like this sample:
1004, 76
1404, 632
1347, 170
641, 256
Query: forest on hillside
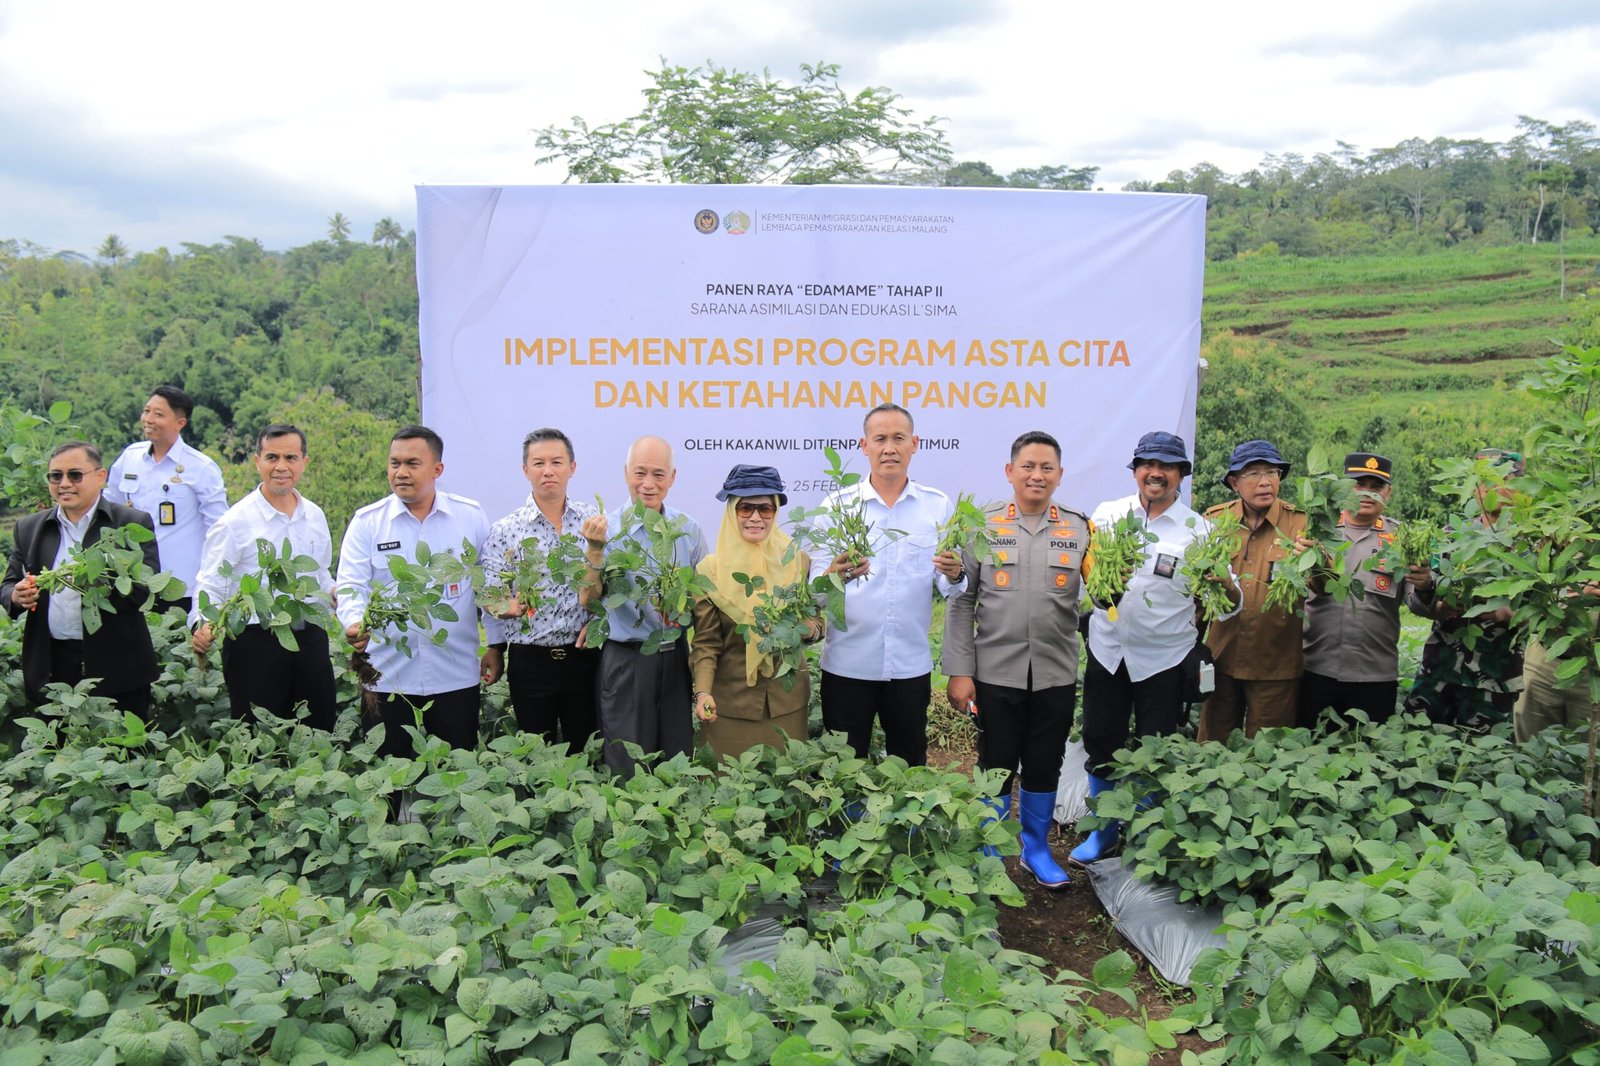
325, 334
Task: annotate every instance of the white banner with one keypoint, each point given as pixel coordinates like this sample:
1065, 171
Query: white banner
758, 324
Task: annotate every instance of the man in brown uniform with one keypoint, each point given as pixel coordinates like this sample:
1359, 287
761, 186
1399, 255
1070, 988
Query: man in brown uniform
1353, 648
1258, 654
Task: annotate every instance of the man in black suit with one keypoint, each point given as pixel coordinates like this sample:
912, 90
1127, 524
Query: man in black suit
55, 645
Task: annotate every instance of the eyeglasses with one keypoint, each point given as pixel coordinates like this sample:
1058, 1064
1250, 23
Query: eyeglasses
765, 510
56, 477
1270, 474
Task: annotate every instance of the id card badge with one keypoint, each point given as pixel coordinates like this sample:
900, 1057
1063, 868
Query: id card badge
167, 514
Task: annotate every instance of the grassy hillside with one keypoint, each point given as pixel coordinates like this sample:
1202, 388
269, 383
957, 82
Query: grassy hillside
1416, 356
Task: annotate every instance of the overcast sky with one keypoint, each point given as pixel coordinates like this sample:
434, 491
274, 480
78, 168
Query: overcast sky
172, 122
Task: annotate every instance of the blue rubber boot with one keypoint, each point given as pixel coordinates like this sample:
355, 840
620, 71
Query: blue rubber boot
1001, 805
1100, 842
1038, 811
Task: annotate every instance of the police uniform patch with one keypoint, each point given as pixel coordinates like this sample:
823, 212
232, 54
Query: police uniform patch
1001, 579
1382, 583
1061, 580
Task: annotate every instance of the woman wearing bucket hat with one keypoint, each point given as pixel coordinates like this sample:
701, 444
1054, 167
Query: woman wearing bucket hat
736, 698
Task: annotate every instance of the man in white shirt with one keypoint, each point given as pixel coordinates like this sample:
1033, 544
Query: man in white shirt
1135, 663
443, 678
550, 677
879, 666
257, 668
177, 486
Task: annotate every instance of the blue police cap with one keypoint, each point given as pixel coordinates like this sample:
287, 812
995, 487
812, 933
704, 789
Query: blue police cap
1255, 451
744, 481
1163, 448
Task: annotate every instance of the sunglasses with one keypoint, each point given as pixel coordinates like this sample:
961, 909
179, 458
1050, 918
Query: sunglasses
765, 510
56, 477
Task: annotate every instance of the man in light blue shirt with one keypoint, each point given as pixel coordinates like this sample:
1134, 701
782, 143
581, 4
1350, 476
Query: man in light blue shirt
879, 666
641, 698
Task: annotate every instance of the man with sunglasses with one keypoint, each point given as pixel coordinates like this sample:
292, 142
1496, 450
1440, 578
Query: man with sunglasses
1258, 652
56, 646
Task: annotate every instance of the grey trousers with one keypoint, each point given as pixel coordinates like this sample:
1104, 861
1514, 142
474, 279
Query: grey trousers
644, 700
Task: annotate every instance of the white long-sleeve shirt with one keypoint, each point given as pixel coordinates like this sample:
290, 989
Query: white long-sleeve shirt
233, 540
388, 528
1155, 628
888, 613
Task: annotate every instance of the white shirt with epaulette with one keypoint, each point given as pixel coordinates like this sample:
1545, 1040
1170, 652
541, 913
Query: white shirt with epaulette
387, 528
183, 494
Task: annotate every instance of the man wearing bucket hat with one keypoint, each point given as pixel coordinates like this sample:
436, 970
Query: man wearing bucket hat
1257, 651
1135, 665
1353, 648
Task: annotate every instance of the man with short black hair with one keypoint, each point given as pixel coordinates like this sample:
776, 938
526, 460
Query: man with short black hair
551, 678
259, 670
178, 486
1011, 641
439, 680
1352, 648
879, 665
56, 646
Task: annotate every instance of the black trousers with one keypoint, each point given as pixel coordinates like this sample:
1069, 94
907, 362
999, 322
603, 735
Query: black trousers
553, 688
450, 716
1318, 691
1029, 726
849, 706
66, 667
261, 672
1109, 698
644, 700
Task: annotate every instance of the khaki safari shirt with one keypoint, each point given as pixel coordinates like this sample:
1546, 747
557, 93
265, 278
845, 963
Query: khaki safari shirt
1257, 645
1019, 611
1359, 640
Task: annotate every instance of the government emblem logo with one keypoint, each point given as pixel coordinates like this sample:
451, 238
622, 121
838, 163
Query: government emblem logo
706, 220
736, 222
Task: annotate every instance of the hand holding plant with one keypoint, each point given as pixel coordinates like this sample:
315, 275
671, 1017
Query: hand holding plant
642, 569
1207, 566
113, 566
1117, 551
282, 595
1323, 496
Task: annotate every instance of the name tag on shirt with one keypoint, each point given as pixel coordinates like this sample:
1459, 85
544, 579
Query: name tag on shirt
1166, 565
389, 546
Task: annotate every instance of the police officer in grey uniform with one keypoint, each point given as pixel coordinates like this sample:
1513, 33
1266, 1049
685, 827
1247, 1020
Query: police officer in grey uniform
177, 486
1352, 657
1011, 641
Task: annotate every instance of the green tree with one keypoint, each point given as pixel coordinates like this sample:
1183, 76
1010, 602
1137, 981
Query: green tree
387, 234
716, 125
338, 227
113, 251
1249, 393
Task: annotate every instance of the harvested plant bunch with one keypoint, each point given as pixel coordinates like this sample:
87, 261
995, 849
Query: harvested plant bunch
1414, 544
783, 622
413, 598
842, 529
112, 565
1206, 565
1117, 551
281, 596
528, 579
641, 569
967, 530
1323, 496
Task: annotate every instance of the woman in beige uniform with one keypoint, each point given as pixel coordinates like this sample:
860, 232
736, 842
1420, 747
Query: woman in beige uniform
738, 701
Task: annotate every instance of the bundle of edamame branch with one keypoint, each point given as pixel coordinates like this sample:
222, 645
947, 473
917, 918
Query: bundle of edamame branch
1117, 551
1205, 566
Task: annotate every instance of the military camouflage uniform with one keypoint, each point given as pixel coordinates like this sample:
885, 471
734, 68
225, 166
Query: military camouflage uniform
1475, 686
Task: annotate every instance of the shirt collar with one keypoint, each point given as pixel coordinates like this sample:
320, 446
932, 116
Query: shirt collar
81, 526
265, 509
870, 491
441, 505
